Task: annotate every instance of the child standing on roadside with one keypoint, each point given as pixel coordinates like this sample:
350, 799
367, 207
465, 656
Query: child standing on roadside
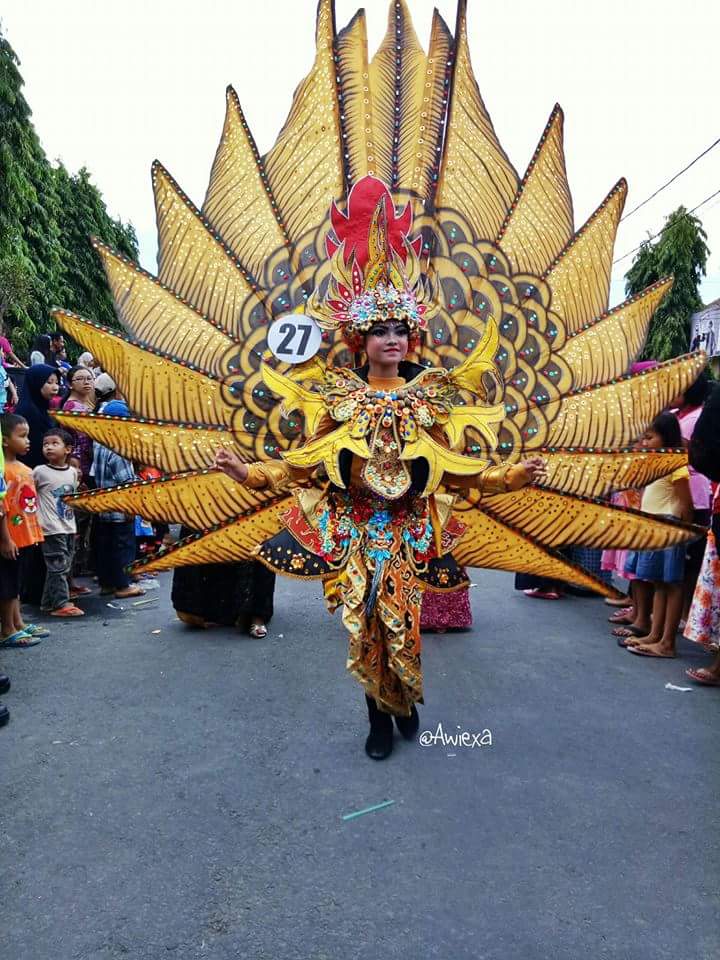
667, 497
53, 480
19, 530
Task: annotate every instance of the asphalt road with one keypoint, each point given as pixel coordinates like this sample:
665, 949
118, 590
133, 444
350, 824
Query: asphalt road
176, 794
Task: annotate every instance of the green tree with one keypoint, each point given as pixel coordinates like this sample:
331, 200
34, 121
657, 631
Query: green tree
28, 205
47, 217
680, 251
15, 286
83, 215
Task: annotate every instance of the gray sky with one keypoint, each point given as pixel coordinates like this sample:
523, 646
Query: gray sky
114, 85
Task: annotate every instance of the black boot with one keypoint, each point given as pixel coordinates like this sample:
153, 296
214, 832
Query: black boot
4, 714
379, 743
408, 726
4, 683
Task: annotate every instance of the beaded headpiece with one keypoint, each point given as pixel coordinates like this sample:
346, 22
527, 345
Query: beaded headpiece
375, 272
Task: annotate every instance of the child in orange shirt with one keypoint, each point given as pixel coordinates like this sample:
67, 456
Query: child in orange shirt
19, 529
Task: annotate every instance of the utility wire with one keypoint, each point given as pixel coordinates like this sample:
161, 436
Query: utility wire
656, 235
671, 180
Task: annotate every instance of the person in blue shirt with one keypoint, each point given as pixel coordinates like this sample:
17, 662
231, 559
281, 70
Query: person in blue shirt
115, 532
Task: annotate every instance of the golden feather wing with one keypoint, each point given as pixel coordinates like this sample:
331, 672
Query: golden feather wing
168, 446
489, 543
197, 498
227, 543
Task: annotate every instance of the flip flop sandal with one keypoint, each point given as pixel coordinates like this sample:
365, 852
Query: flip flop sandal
628, 631
129, 593
34, 630
19, 639
621, 616
627, 642
616, 601
646, 653
700, 676
536, 594
79, 592
69, 611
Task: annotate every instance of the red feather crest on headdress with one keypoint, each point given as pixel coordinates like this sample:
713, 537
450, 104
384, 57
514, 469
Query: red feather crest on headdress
353, 229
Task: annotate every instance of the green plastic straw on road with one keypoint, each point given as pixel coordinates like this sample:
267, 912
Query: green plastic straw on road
359, 813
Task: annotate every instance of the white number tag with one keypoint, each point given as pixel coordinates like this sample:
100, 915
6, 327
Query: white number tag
294, 338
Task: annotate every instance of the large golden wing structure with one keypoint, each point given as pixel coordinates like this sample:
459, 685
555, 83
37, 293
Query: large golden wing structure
496, 245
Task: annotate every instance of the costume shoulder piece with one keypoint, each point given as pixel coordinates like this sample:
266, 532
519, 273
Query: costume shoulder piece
383, 198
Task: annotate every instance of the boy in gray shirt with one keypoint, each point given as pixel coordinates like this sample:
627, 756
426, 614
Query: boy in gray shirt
53, 480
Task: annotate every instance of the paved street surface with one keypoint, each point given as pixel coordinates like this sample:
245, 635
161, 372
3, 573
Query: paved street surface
170, 794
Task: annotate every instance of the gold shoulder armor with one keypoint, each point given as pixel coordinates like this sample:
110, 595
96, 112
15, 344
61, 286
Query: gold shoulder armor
294, 397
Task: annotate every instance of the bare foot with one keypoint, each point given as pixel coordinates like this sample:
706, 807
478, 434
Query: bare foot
635, 641
656, 649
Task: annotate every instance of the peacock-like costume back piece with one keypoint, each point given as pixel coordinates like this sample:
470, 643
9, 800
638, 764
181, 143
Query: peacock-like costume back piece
517, 314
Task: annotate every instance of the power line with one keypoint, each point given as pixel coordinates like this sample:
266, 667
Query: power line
656, 235
671, 180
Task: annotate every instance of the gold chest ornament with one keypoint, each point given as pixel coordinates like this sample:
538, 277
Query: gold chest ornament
389, 428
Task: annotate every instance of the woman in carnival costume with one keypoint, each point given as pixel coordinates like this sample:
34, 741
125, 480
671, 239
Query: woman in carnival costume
383, 479
378, 531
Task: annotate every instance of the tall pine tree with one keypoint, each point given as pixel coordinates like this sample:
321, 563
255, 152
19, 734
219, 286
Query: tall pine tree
679, 251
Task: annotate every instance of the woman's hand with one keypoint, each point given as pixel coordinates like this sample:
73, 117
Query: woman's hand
231, 464
532, 470
535, 468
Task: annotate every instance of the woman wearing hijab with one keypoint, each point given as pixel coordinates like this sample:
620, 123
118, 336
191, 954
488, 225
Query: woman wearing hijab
40, 386
87, 360
40, 350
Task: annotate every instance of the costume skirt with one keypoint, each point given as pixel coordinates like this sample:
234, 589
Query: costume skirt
446, 611
374, 557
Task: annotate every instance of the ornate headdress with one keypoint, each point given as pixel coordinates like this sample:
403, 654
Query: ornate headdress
375, 268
